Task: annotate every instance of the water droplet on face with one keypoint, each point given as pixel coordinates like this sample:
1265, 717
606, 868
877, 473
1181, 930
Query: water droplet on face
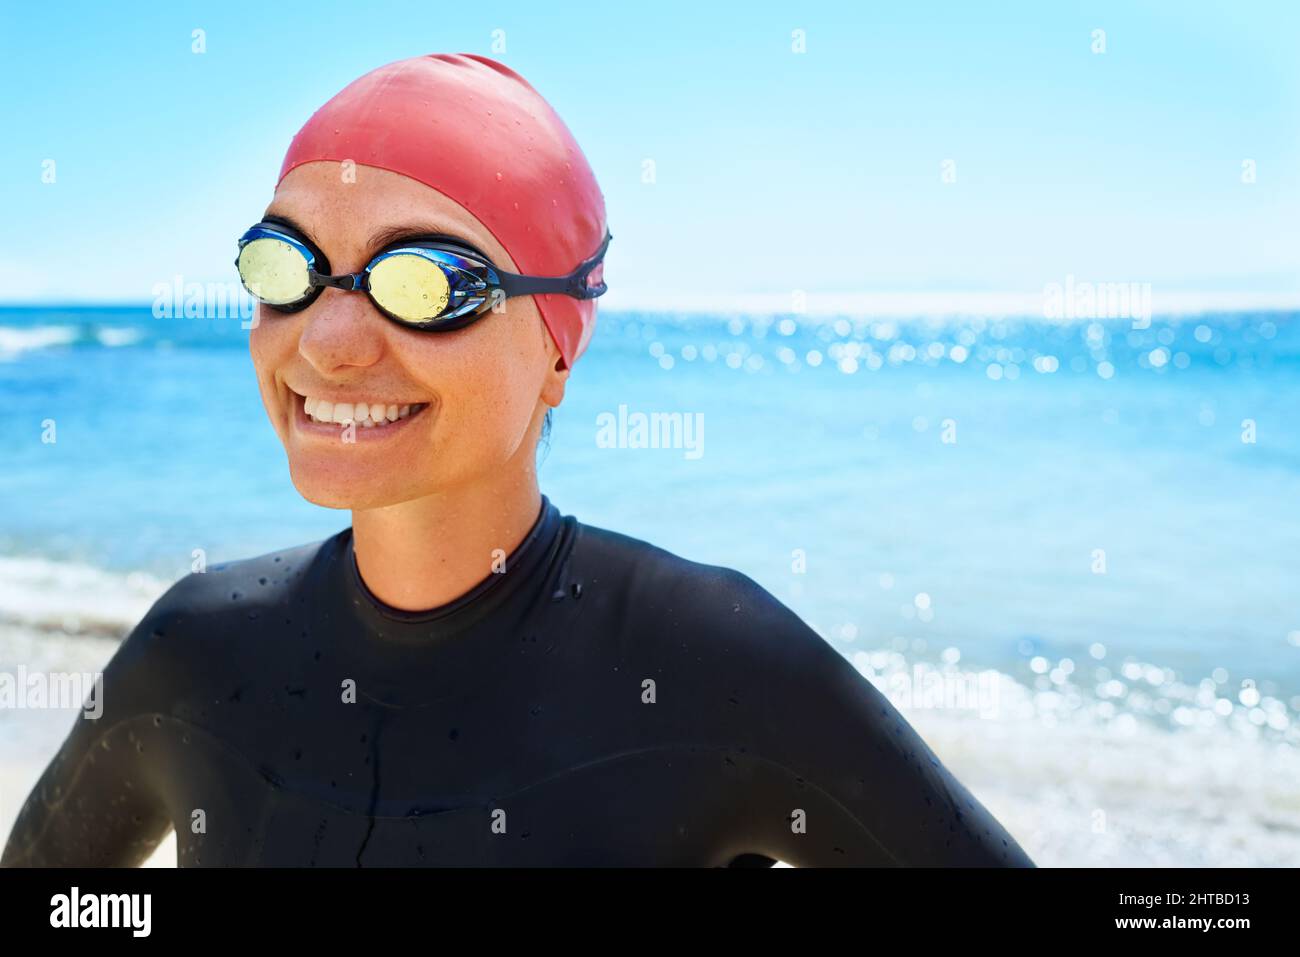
499, 176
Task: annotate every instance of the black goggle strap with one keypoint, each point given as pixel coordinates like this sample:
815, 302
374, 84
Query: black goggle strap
574, 284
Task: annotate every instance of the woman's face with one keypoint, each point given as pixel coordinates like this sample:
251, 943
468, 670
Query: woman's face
484, 388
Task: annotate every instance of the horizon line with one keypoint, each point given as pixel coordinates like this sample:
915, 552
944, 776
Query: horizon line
873, 305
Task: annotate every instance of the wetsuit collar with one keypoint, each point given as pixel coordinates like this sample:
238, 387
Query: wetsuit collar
522, 568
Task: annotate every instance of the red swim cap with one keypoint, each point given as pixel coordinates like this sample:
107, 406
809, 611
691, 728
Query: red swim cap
476, 131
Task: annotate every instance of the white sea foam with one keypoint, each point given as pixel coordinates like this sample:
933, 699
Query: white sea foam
118, 336
1089, 786
71, 598
16, 340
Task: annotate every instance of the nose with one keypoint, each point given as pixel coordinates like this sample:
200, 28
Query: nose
341, 331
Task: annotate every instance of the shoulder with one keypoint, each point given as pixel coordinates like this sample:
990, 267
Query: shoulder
716, 608
214, 605
659, 575
235, 587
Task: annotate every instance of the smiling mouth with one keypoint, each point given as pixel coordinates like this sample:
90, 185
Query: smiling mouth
377, 415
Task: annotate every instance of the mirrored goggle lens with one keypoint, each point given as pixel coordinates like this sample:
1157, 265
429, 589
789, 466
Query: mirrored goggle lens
273, 271
410, 287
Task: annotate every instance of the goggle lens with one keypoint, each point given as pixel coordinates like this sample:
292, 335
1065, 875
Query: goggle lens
410, 287
273, 271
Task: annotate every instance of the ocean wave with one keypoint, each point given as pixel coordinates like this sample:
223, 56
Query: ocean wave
113, 336
1094, 793
17, 340
1117, 769
68, 598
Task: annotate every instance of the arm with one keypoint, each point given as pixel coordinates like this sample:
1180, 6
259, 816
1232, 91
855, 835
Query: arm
837, 776
95, 804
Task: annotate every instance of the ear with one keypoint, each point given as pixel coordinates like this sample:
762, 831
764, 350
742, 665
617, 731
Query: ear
556, 377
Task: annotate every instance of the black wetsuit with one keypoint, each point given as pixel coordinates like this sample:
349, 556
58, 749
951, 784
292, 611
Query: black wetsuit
601, 702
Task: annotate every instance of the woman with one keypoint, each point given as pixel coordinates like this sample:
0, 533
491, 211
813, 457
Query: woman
465, 676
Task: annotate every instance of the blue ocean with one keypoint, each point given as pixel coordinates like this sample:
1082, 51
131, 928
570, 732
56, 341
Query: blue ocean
1098, 519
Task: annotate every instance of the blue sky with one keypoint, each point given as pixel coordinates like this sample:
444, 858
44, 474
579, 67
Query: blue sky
775, 170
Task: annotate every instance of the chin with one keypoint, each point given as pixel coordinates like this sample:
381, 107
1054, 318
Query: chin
329, 488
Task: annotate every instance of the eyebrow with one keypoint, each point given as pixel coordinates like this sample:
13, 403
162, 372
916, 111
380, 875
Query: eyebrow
387, 235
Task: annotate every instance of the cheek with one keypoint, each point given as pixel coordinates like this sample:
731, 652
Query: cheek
260, 342
476, 409
272, 340
488, 389
269, 342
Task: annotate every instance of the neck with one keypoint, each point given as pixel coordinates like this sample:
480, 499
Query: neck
424, 553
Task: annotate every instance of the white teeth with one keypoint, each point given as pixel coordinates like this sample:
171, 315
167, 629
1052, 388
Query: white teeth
365, 414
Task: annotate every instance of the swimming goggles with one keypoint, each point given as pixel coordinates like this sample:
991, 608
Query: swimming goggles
431, 283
